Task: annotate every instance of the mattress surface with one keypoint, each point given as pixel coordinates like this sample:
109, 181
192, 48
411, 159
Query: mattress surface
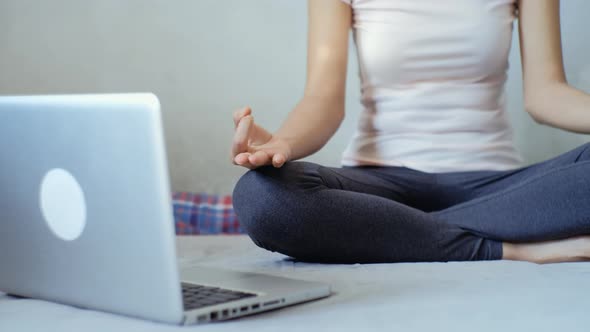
474, 296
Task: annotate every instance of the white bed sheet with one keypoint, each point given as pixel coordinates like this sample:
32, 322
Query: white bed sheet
476, 296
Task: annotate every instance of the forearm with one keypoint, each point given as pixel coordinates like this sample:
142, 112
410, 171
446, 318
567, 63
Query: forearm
561, 106
311, 124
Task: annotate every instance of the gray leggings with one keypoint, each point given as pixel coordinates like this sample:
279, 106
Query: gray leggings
397, 214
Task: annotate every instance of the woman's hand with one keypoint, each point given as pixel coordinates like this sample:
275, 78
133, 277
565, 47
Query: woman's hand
253, 146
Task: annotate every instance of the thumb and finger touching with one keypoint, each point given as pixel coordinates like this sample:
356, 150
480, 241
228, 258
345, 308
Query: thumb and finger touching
245, 150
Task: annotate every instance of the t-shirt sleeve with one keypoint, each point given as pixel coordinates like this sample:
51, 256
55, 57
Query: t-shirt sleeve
348, 2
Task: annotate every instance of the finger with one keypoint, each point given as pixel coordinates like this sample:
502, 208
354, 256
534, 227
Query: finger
259, 158
239, 114
242, 160
278, 160
241, 135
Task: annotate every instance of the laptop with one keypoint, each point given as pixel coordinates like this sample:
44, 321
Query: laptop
86, 217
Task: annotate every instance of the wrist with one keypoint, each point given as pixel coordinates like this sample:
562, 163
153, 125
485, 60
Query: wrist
286, 144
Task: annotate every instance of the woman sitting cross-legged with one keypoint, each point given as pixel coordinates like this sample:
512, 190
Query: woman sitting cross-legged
431, 173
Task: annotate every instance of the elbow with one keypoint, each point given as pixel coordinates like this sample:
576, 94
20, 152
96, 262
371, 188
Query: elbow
537, 100
339, 114
535, 112
541, 99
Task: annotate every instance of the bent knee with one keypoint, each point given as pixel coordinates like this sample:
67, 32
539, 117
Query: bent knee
255, 190
259, 199
266, 189
268, 207
584, 153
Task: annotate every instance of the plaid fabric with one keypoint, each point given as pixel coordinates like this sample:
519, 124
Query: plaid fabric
204, 214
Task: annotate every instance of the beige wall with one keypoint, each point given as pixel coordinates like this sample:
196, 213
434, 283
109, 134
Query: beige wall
204, 58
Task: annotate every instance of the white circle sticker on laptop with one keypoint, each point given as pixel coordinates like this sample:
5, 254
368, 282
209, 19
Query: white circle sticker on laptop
63, 204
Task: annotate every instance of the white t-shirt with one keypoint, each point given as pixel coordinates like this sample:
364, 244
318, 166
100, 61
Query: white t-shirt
432, 80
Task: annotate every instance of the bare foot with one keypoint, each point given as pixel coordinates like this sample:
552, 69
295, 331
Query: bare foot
575, 249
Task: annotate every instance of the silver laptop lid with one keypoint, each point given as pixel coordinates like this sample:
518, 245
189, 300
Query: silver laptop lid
85, 214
